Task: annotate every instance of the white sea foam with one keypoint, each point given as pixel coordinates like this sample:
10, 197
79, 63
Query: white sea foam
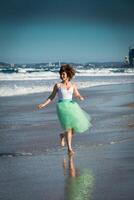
24, 82
29, 76
15, 90
105, 72
25, 74
21, 90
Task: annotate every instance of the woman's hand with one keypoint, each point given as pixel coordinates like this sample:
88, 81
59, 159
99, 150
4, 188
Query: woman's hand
81, 98
49, 99
40, 105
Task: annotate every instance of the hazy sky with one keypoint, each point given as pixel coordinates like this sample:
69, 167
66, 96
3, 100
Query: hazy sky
66, 30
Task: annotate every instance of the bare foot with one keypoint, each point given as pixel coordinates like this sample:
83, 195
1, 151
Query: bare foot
62, 139
70, 152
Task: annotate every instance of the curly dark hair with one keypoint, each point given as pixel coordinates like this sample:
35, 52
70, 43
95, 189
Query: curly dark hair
68, 69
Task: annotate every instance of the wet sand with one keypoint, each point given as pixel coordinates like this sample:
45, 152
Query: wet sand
34, 166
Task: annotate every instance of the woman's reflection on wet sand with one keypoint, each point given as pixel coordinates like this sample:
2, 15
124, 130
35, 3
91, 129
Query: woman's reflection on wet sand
78, 185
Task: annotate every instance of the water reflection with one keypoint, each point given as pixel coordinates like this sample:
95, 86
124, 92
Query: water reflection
78, 184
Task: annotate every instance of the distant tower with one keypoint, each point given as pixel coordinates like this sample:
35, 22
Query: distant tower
126, 60
131, 56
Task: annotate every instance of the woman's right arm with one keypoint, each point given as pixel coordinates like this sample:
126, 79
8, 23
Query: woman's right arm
49, 99
77, 94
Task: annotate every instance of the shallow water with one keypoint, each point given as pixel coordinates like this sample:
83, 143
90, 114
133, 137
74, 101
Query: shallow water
33, 166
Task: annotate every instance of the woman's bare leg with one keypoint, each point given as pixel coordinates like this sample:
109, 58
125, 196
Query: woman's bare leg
69, 141
62, 139
72, 170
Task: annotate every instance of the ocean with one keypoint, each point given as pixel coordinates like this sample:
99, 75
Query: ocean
23, 79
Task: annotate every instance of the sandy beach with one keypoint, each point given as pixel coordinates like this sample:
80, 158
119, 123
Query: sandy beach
34, 166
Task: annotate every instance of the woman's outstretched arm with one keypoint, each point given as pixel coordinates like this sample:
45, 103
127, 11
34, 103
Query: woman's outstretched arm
49, 99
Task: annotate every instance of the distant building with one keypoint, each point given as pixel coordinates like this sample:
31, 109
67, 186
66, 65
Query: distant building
12, 65
51, 64
126, 60
131, 56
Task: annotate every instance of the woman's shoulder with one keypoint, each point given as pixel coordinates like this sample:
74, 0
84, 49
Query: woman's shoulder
74, 85
57, 85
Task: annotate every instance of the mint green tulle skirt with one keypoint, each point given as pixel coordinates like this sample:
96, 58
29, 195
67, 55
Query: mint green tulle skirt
71, 116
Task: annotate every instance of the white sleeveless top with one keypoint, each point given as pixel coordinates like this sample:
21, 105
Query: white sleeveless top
65, 94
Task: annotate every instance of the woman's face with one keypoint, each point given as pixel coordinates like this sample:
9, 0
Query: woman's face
64, 76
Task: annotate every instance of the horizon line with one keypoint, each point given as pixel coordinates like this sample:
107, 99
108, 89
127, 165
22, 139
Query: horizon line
46, 62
